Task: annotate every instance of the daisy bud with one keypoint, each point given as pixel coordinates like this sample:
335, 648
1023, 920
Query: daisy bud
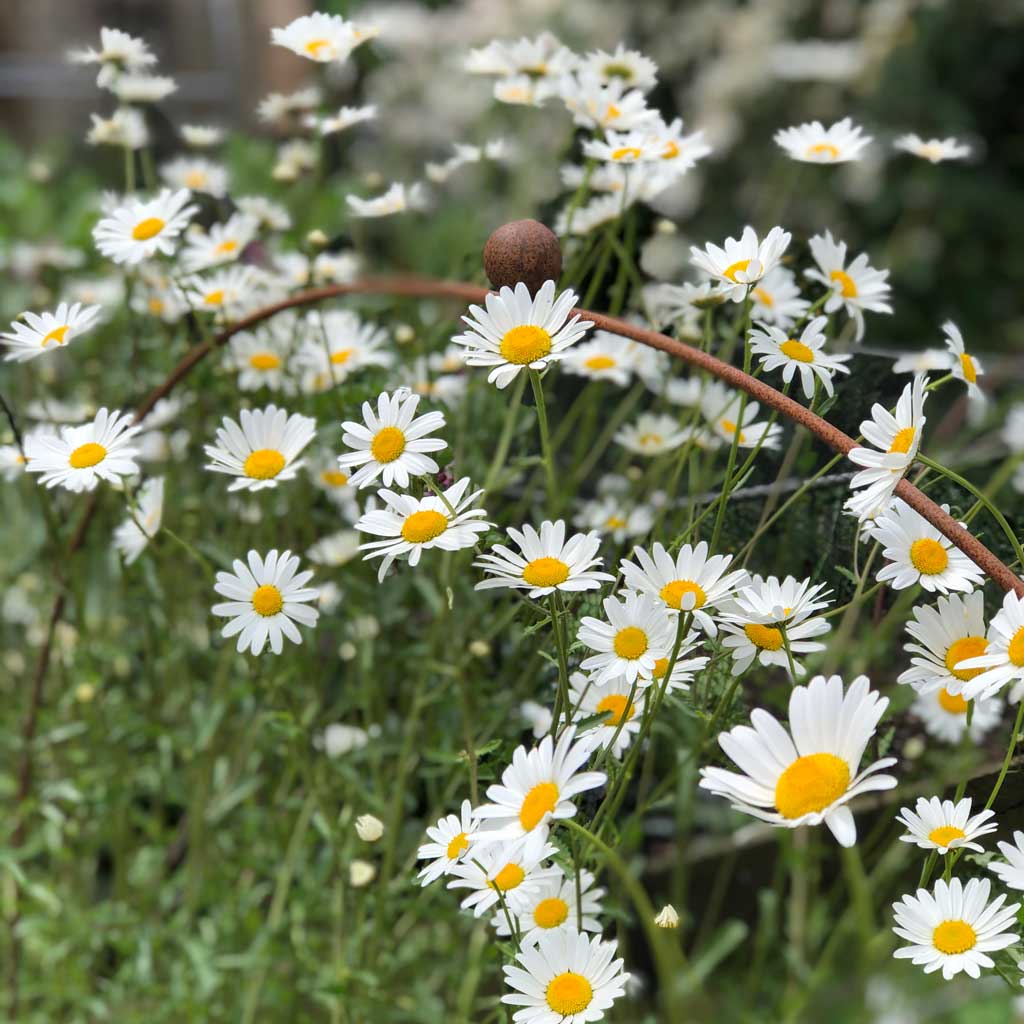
84, 692
667, 917
347, 651
913, 748
369, 828
404, 334
361, 873
316, 238
373, 179
479, 648
665, 227
39, 171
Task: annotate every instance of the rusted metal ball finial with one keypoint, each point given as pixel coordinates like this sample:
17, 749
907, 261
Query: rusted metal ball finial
522, 250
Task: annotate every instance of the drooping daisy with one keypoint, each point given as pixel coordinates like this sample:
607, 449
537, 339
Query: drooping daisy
138, 229
896, 438
566, 978
691, 581
537, 788
804, 355
538, 718
321, 37
263, 450
776, 299
118, 52
397, 199
611, 699
742, 262
954, 927
138, 88
808, 775
82, 456
944, 715
923, 361
547, 562
637, 70
946, 633
201, 136
721, 409
605, 356
517, 331
813, 143
223, 243
856, 287
1003, 660
965, 367
638, 632
344, 117
392, 442
555, 906
1011, 871
449, 841
261, 357
918, 553
652, 434
132, 536
933, 150
336, 549
197, 174
412, 526
265, 600
942, 825
36, 333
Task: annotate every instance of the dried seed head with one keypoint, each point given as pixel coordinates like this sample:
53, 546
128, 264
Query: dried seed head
522, 250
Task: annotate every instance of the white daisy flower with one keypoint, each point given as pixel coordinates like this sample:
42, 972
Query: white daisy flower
965, 367
397, 199
136, 88
954, 927
629, 66
638, 632
942, 825
36, 333
1011, 871
537, 788
652, 434
323, 38
138, 229
813, 143
624, 148
449, 841
336, 484
776, 299
227, 293
201, 136
1003, 660
808, 775
804, 355
261, 358
742, 262
125, 128
412, 526
597, 104
605, 356
132, 536
517, 331
267, 214
338, 344
946, 633
263, 450
223, 243
419, 376
542, 59
344, 117
278, 106
566, 978
896, 438
392, 442
335, 267
918, 553
720, 407
12, 462
691, 581
547, 562
265, 600
933, 150
856, 287
336, 549
614, 517
944, 715
82, 456
610, 699
118, 52
537, 717
197, 174
554, 906
923, 361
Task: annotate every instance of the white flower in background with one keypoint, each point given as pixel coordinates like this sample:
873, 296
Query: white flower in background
622, 715
1011, 871
941, 825
136, 88
602, 210
923, 361
517, 331
933, 150
946, 633
223, 243
279, 106
419, 376
261, 357
142, 525
12, 462
918, 553
954, 927
118, 52
226, 293
624, 148
677, 152
294, 158
449, 841
652, 434
96, 291
515, 870
554, 906
138, 229
391, 442
720, 406
965, 367
776, 299
597, 104
856, 287
944, 715
263, 450
605, 356
548, 562
335, 267
265, 600
201, 136
741, 262
412, 526
323, 38
336, 484
36, 333
267, 214
537, 717
344, 117
616, 517
79, 457
338, 344
528, 70
397, 199
198, 174
808, 775
125, 128
336, 549
813, 143
803, 355
1003, 660
631, 67
339, 739
638, 632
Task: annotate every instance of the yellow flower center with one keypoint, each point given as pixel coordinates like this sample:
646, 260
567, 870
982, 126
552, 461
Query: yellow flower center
810, 784
945, 834
156, 306
264, 464
314, 46
952, 702
214, 298
545, 572
630, 643
651, 440
264, 361
525, 344
729, 427
673, 593
614, 522
824, 149
612, 113
229, 245
615, 706
735, 268
928, 556
87, 455
797, 350
508, 877
764, 297
147, 228
421, 527
387, 444
961, 650
848, 289
568, 993
626, 153
660, 668
671, 150
456, 846
599, 363
341, 356
967, 365
195, 179
550, 913
902, 441
267, 600
57, 335
768, 638
541, 800
1015, 652
953, 937
334, 478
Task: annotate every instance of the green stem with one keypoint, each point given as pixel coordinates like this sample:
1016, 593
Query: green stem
507, 430
545, 440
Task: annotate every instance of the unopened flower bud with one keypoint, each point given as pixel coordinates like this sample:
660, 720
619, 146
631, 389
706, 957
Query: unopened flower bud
479, 648
667, 917
317, 238
361, 873
369, 828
